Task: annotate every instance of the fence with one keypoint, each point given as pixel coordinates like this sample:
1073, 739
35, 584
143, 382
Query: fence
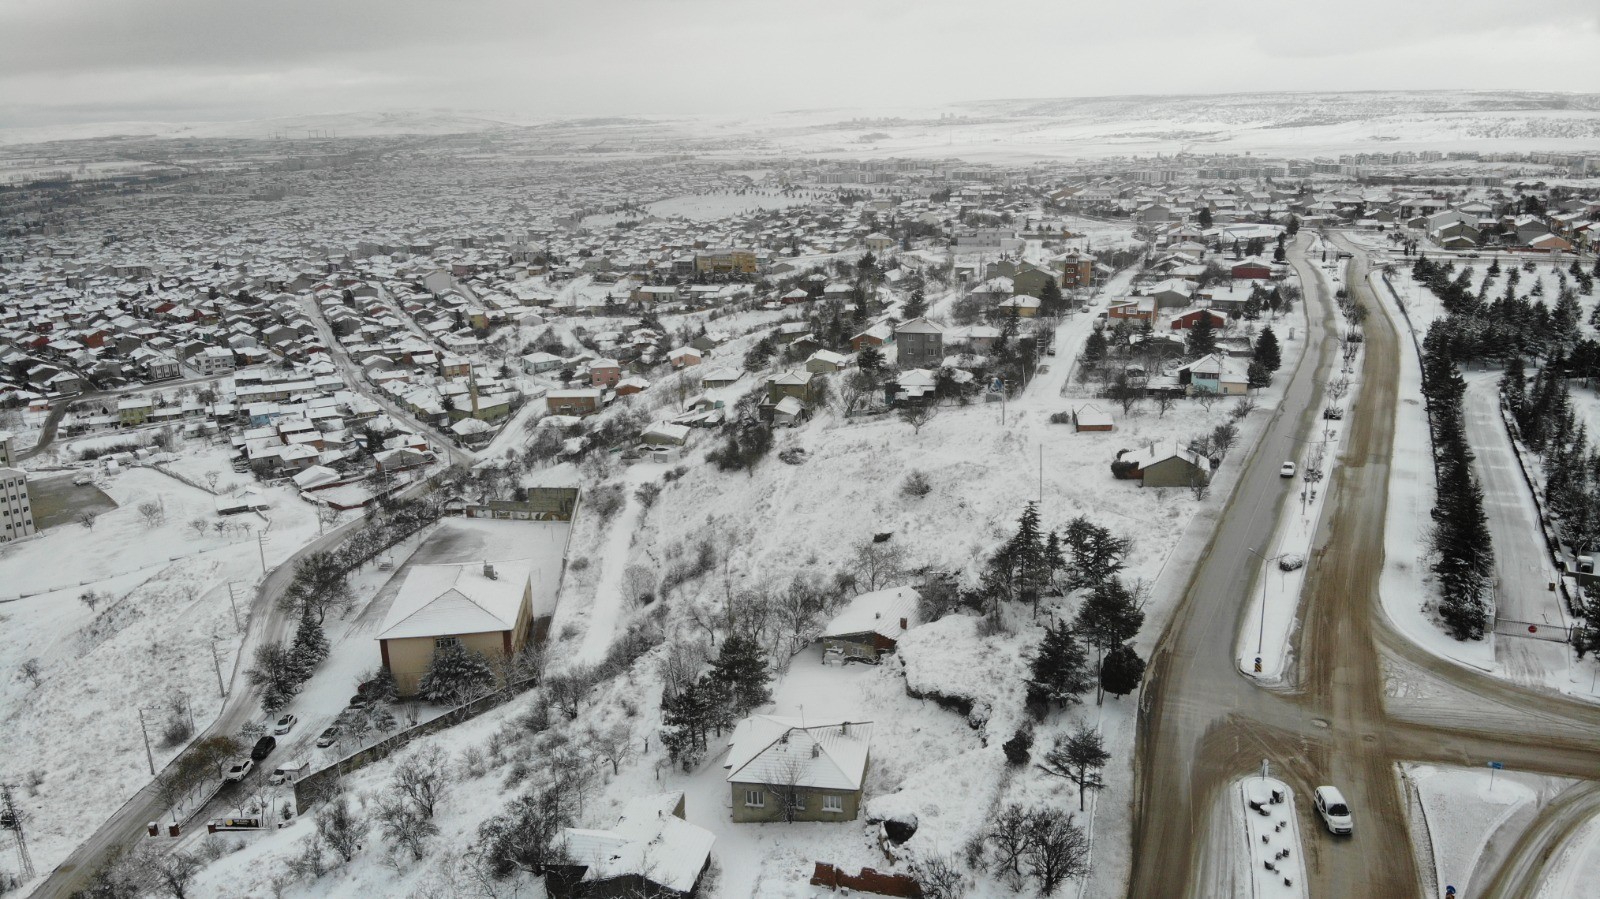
320, 783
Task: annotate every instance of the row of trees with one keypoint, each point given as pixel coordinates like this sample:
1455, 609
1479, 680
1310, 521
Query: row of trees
1464, 559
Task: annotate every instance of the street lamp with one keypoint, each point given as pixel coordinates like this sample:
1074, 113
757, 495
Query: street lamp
1261, 632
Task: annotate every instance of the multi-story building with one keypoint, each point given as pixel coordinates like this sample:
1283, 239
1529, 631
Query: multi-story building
16, 511
5, 449
726, 261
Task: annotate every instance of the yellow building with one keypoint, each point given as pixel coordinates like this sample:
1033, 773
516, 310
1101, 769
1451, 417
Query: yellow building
726, 261
486, 607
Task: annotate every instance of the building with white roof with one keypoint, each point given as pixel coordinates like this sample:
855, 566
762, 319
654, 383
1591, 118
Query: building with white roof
793, 769
871, 625
652, 851
485, 606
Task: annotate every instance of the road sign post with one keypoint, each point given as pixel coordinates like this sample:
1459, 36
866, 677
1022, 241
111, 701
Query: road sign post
1493, 767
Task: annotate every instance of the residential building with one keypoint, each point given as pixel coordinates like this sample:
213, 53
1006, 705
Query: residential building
871, 625
792, 769
921, 344
16, 510
486, 607
651, 851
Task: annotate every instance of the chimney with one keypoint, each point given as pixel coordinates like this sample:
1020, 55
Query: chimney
844, 729
488, 571
816, 749
902, 624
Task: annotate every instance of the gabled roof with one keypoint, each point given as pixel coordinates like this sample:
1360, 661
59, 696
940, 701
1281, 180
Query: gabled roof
827, 754
879, 612
438, 600
919, 326
648, 841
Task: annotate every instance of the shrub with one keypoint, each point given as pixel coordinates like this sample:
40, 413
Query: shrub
916, 484
1017, 749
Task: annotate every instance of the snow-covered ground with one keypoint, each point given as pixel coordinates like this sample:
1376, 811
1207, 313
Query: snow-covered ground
1463, 807
1576, 869
164, 625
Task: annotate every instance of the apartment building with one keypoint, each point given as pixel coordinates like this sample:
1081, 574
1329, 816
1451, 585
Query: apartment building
16, 511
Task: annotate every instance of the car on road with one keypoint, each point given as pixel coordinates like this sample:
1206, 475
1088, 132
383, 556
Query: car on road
1287, 471
1335, 812
238, 771
263, 748
284, 725
328, 737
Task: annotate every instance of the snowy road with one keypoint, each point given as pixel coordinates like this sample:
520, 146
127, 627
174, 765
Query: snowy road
1523, 571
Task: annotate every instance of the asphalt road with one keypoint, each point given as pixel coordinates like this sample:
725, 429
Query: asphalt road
1364, 698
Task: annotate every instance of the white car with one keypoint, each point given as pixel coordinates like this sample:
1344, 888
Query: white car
284, 725
238, 771
1287, 471
1335, 812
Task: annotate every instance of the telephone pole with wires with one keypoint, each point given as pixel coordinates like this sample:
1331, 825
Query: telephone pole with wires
11, 819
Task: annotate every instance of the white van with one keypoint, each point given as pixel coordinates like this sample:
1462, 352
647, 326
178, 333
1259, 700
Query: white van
1335, 812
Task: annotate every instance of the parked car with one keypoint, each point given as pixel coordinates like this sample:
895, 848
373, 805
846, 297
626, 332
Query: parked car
264, 747
1335, 812
1287, 471
238, 771
328, 737
284, 725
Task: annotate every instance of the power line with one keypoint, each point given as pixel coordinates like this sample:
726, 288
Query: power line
11, 819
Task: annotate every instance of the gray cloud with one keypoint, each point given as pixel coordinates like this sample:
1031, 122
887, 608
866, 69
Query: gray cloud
79, 60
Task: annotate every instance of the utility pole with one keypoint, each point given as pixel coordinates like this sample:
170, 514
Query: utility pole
238, 628
216, 663
148, 755
11, 819
261, 546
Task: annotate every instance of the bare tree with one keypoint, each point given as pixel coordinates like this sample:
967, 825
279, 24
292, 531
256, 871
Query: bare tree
88, 519
200, 526
405, 827
1242, 407
211, 480
878, 564
1008, 838
175, 872
1337, 388
91, 599
941, 877
30, 671
1057, 849
423, 778
340, 828
152, 513
681, 665
1206, 398
613, 744
1165, 400
918, 415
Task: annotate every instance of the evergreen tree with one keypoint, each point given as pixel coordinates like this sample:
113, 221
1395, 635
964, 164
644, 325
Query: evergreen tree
1109, 615
1205, 217
685, 720
870, 359
310, 645
1051, 303
1257, 376
916, 306
1267, 351
456, 675
1079, 757
277, 674
1293, 225
1094, 348
1202, 337
1122, 671
741, 669
1060, 671
1096, 553
760, 354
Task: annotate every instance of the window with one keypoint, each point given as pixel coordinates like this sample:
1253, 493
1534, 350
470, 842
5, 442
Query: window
832, 803
444, 642
755, 799
797, 800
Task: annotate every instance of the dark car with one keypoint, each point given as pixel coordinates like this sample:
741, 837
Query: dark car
263, 748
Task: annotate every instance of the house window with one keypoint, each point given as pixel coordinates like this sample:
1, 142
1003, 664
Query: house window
755, 799
444, 642
832, 803
797, 800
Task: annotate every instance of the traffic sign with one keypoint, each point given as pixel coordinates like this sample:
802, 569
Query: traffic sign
1498, 766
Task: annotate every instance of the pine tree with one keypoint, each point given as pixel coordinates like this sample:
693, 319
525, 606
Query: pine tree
741, 669
916, 306
1109, 615
1202, 337
870, 359
1122, 671
1051, 302
310, 645
685, 719
1257, 376
1096, 553
1204, 217
1094, 348
1060, 671
456, 675
1267, 351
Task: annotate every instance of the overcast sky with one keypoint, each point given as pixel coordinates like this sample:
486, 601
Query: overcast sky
69, 61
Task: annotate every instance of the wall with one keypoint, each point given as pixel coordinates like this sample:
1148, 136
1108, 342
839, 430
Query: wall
410, 657
773, 810
868, 881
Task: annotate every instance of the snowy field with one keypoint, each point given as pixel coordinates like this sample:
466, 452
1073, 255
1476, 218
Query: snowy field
721, 205
74, 736
1464, 809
